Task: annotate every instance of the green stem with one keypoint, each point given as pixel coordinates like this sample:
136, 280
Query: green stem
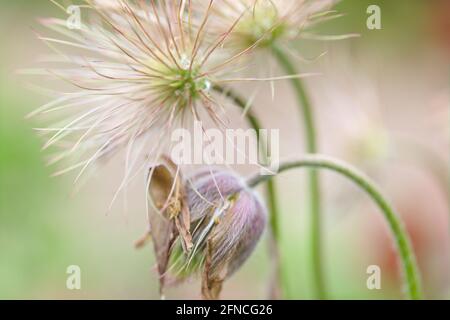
272, 199
408, 260
313, 179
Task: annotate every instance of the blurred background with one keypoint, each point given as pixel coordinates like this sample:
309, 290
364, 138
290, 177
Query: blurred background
381, 103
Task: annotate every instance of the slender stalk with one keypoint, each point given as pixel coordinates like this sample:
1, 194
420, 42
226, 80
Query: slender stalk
313, 178
410, 270
272, 200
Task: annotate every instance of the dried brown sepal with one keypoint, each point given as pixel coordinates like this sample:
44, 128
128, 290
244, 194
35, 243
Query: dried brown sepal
183, 225
211, 281
170, 217
164, 234
169, 196
163, 229
160, 188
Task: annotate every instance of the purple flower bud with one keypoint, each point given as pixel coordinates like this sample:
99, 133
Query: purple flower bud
227, 220
211, 222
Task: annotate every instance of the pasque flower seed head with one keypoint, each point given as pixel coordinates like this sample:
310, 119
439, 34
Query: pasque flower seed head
136, 70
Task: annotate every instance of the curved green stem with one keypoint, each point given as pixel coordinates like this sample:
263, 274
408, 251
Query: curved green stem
313, 179
272, 199
407, 257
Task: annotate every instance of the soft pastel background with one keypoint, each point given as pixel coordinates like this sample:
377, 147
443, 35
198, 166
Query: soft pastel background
382, 104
